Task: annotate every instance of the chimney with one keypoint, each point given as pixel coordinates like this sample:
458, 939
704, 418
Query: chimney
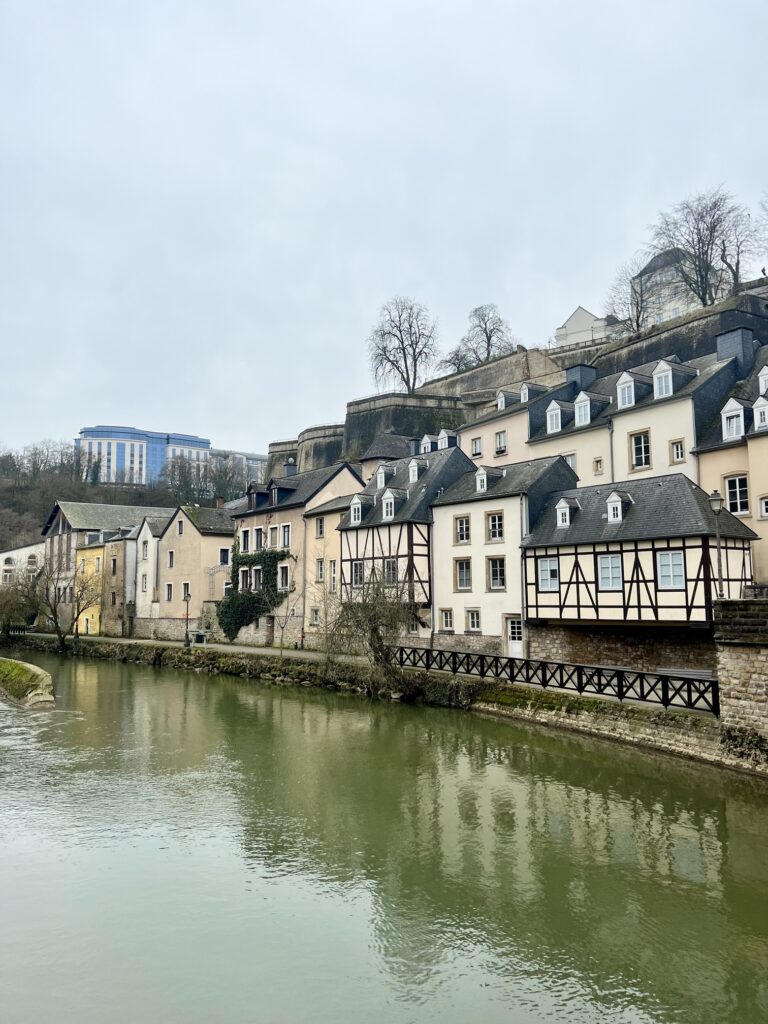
739, 344
289, 467
581, 375
413, 445
219, 501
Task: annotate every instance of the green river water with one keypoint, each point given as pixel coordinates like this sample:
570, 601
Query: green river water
184, 848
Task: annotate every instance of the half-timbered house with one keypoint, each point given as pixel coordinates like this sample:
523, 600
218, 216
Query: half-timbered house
641, 553
387, 531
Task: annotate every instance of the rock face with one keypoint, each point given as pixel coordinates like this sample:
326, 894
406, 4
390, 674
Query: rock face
26, 685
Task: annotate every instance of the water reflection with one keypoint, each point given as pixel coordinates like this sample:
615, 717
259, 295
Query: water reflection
481, 869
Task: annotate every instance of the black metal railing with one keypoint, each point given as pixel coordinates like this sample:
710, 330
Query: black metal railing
696, 693
17, 630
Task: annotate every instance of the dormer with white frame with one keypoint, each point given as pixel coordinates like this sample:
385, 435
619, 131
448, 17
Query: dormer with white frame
564, 511
616, 504
428, 444
387, 506
663, 384
582, 410
625, 391
524, 393
554, 418
355, 511
382, 473
446, 439
760, 413
481, 480
506, 398
415, 468
762, 380
732, 417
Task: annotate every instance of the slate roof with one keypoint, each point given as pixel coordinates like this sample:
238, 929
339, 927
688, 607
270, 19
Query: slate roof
339, 504
156, 525
389, 446
662, 506
518, 479
443, 469
660, 261
746, 392
536, 393
301, 487
604, 389
85, 515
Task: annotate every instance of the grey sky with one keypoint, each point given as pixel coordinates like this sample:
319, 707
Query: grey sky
205, 203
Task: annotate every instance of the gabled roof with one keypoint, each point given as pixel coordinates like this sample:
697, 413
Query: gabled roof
155, 525
389, 446
660, 261
85, 515
207, 521
502, 481
442, 469
301, 487
340, 504
662, 506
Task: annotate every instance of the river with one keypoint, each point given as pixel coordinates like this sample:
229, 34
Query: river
177, 847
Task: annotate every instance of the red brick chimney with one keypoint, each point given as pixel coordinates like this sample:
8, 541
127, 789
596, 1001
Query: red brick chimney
219, 502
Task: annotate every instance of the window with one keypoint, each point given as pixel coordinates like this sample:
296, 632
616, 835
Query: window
273, 536
733, 425
494, 526
662, 384
640, 450
496, 574
524, 393
143, 583
553, 419
286, 536
245, 579
477, 446
354, 512
737, 495
320, 527
390, 571
413, 471
762, 378
144, 550
626, 394
597, 467
388, 508
314, 616
97, 564
223, 556
185, 592
319, 570
168, 591
256, 578
670, 570
113, 566
764, 508
500, 401
9, 561
473, 620
482, 482
357, 574
258, 538
570, 458
245, 538
170, 559
582, 413
676, 451
501, 442
548, 573
283, 578
614, 512
761, 417
461, 529
180, 527
446, 619
332, 574
609, 572
426, 446
113, 598
462, 574
563, 517
413, 625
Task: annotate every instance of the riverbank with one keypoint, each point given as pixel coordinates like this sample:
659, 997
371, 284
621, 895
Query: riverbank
25, 685
685, 734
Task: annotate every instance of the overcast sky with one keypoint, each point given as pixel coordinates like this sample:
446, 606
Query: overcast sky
204, 204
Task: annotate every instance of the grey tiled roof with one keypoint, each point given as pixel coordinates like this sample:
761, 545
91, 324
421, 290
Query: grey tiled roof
210, 520
746, 392
84, 515
389, 446
339, 504
301, 487
443, 469
662, 506
518, 479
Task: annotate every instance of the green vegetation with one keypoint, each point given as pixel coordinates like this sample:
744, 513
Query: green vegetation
18, 679
241, 608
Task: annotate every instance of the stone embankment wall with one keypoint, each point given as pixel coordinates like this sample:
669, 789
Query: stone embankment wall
683, 733
646, 649
26, 685
741, 634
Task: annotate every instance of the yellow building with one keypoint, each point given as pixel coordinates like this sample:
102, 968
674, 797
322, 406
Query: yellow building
89, 567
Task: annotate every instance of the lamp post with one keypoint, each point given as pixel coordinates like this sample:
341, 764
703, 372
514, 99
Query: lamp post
187, 596
716, 504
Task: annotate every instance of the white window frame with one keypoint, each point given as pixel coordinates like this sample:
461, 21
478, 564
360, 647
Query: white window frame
625, 392
446, 619
143, 583
473, 623
482, 482
413, 471
467, 563
610, 574
245, 541
739, 506
319, 570
381, 479
762, 378
501, 574
494, 527
390, 576
457, 532
477, 445
355, 513
144, 550
732, 417
332, 575
582, 413
563, 516
314, 616
358, 573
524, 393
670, 565
662, 383
501, 402
645, 450
285, 536
554, 418
283, 572
545, 582
388, 508
320, 527
501, 442
171, 558
614, 511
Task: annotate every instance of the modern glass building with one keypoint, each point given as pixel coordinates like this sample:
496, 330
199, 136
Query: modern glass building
126, 455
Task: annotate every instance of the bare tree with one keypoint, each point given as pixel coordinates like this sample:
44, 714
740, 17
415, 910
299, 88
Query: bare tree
488, 335
706, 237
287, 610
62, 597
376, 618
403, 344
630, 297
457, 360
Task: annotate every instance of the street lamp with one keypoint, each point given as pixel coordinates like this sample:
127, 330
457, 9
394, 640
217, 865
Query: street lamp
716, 504
186, 598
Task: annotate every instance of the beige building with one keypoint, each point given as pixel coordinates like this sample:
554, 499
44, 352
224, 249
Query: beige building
194, 555
322, 561
21, 564
277, 520
499, 437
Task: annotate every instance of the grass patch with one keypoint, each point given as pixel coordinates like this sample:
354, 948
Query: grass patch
17, 679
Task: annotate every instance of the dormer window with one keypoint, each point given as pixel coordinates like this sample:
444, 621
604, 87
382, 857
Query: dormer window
582, 411
760, 410
732, 420
625, 391
413, 472
662, 381
388, 506
381, 479
426, 447
553, 418
501, 402
273, 496
355, 511
481, 482
442, 441
563, 516
524, 393
762, 379
614, 511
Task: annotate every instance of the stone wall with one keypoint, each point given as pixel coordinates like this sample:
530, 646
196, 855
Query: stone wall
319, 447
741, 635
648, 650
412, 415
475, 642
